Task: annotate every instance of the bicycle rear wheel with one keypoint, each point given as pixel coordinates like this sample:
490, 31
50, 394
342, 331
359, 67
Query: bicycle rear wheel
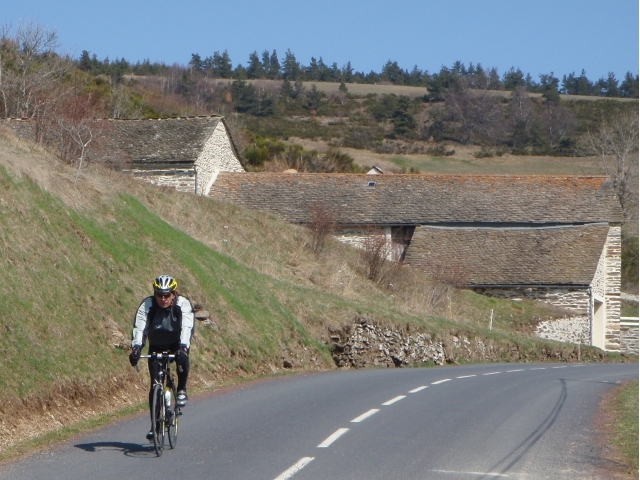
173, 414
158, 419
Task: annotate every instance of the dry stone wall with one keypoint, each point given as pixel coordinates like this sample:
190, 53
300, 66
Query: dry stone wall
364, 344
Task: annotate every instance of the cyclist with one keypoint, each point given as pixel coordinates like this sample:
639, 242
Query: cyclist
166, 320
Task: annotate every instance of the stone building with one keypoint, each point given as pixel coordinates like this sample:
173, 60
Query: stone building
184, 152
555, 238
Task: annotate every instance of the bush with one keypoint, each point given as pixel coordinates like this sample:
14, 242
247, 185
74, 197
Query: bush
440, 151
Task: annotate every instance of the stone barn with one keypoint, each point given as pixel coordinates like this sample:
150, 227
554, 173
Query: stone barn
554, 238
184, 152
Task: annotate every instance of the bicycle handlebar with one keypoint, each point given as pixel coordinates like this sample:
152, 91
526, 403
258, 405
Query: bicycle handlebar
158, 355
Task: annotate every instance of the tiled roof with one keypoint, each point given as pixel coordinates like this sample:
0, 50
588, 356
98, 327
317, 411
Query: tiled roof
524, 256
161, 141
425, 199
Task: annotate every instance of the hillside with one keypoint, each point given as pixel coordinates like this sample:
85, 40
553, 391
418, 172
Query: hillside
79, 253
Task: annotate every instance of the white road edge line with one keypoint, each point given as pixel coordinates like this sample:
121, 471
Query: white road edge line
299, 465
492, 373
440, 381
416, 390
466, 376
365, 415
394, 400
333, 437
487, 474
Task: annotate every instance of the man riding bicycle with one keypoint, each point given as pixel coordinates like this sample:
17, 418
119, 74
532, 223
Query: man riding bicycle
166, 320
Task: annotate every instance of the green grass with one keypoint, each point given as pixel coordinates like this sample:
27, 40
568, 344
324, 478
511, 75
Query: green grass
76, 259
626, 428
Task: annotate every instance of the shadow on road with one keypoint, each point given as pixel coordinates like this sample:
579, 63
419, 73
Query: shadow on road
128, 449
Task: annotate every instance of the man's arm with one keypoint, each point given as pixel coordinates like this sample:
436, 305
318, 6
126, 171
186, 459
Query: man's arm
140, 323
187, 320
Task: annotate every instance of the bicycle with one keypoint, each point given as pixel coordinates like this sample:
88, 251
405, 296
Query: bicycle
164, 410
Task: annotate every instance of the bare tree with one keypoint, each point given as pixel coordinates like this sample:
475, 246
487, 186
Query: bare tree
375, 252
473, 113
323, 223
29, 68
615, 147
72, 129
558, 123
522, 116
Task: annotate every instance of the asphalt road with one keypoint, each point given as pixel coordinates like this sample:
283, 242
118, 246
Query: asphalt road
507, 421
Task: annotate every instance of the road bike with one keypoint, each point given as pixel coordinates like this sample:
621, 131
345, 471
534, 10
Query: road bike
165, 412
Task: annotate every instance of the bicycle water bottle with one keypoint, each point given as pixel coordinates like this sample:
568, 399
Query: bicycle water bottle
167, 397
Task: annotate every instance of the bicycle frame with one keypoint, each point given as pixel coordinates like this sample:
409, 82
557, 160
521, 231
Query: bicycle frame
164, 410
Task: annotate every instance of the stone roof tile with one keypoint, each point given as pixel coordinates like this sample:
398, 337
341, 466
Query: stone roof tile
151, 142
566, 255
358, 199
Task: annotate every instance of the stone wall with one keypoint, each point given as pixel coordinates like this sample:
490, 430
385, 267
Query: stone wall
572, 330
574, 299
629, 340
218, 155
357, 239
181, 180
364, 344
613, 248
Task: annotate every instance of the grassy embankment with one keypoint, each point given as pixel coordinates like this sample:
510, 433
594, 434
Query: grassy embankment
78, 258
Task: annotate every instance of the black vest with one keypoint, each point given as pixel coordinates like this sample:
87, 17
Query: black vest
164, 325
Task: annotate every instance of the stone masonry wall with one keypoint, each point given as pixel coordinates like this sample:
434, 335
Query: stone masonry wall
181, 180
357, 239
629, 340
575, 300
613, 248
571, 330
217, 155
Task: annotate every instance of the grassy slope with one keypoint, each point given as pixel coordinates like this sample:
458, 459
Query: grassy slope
79, 258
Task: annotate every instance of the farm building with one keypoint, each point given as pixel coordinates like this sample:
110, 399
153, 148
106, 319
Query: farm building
184, 152
554, 238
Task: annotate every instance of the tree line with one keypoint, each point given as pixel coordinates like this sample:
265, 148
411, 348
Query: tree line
269, 66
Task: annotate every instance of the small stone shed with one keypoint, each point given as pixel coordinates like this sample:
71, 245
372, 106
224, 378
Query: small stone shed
554, 238
184, 152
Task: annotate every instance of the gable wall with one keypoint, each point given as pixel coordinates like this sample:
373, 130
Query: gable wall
217, 156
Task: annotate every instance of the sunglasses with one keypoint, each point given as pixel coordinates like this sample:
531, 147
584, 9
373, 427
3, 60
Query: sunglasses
164, 295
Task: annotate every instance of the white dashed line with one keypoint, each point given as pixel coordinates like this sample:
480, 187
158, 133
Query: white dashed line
519, 370
577, 365
299, 465
492, 373
542, 368
394, 400
333, 437
560, 367
365, 415
440, 381
466, 376
416, 390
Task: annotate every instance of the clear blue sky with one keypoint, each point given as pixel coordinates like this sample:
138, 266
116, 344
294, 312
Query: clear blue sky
537, 36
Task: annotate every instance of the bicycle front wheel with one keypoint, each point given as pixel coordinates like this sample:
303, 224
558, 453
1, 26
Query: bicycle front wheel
158, 419
173, 414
